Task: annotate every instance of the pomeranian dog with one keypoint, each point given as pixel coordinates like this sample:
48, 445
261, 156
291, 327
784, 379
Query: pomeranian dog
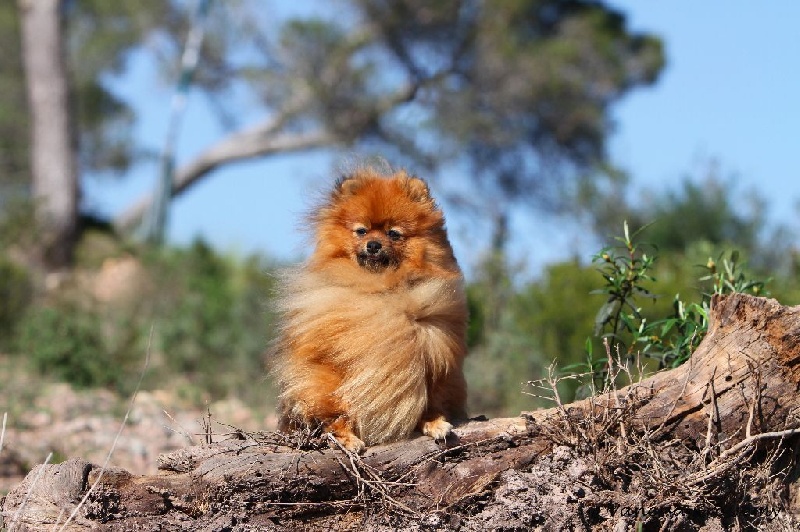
372, 337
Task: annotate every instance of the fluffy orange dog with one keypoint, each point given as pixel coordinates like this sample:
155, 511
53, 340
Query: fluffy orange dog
372, 339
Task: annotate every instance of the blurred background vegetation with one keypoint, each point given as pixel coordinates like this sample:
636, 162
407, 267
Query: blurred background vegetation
520, 95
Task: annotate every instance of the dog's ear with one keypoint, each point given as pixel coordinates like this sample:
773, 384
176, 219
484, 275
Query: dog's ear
347, 185
417, 189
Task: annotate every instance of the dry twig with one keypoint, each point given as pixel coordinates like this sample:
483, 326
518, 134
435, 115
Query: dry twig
3, 430
375, 481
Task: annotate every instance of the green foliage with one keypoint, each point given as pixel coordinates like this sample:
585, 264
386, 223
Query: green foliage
593, 368
670, 340
17, 229
211, 319
624, 270
14, 138
655, 297
100, 36
704, 211
730, 279
16, 292
208, 313
502, 354
67, 342
555, 311
700, 210
497, 370
200, 299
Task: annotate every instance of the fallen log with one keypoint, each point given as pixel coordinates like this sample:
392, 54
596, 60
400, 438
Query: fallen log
706, 446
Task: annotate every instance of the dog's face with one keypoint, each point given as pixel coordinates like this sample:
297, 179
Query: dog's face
380, 223
379, 246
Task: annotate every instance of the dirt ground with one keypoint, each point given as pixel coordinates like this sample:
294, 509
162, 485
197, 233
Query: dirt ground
71, 423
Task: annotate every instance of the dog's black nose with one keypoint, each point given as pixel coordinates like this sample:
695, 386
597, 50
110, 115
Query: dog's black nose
373, 246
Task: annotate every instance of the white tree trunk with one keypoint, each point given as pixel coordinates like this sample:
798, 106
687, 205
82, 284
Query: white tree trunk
53, 161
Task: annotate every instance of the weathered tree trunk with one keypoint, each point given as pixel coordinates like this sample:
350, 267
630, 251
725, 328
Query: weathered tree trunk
53, 162
700, 447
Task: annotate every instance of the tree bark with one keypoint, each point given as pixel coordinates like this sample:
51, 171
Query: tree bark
701, 447
53, 161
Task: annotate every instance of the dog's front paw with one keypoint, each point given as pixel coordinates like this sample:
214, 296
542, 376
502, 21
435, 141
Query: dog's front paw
350, 442
438, 429
342, 431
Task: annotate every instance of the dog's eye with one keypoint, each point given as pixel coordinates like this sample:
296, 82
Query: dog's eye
394, 234
361, 231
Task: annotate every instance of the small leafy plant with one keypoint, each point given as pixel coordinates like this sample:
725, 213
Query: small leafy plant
626, 268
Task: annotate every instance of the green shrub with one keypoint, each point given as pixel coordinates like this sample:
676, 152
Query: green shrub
15, 296
670, 339
18, 225
212, 319
17, 230
209, 316
67, 342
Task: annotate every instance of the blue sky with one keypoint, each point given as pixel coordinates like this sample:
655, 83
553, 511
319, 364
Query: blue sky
729, 92
729, 95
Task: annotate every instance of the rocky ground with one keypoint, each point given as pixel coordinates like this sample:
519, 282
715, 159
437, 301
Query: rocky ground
70, 423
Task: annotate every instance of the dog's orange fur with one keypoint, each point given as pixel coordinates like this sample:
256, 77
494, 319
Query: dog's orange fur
372, 345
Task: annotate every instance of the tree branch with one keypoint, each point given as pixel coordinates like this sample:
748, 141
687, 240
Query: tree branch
261, 140
256, 142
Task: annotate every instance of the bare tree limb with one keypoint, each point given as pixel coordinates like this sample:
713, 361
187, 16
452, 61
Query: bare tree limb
255, 142
266, 139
